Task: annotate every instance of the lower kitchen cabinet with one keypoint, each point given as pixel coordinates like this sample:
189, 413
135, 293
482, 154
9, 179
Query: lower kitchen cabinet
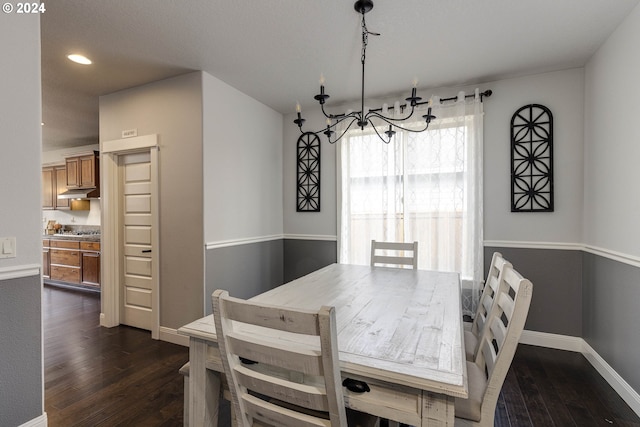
45, 259
65, 274
90, 263
72, 262
65, 261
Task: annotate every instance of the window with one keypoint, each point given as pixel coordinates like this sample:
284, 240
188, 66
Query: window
424, 187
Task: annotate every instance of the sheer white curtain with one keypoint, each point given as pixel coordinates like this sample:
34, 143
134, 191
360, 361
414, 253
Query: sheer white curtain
424, 187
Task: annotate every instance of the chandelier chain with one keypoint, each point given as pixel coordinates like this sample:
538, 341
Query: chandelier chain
365, 40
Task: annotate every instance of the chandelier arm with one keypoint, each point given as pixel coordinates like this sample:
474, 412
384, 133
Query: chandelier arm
352, 116
389, 120
414, 130
380, 136
343, 132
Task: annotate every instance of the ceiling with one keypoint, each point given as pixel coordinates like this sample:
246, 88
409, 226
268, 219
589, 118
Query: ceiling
275, 51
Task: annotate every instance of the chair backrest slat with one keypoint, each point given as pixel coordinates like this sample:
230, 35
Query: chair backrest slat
306, 395
263, 410
399, 257
272, 317
304, 360
296, 380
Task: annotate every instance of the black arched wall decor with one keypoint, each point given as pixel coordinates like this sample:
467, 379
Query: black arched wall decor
308, 188
532, 159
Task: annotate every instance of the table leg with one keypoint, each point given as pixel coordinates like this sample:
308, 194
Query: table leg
437, 409
204, 387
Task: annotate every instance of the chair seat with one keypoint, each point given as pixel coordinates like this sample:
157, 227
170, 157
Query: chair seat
470, 344
470, 408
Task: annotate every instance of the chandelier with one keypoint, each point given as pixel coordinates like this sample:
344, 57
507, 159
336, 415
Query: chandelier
362, 118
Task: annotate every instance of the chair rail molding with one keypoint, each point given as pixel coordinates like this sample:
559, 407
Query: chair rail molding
629, 259
242, 241
322, 237
19, 271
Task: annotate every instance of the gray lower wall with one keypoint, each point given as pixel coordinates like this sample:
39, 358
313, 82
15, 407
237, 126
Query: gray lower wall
304, 256
21, 350
556, 306
244, 270
611, 314
247, 270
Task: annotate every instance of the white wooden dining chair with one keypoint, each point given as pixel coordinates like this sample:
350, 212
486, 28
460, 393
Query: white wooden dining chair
485, 304
282, 364
498, 345
399, 254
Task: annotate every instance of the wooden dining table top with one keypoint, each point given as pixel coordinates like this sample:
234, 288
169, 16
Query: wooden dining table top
401, 326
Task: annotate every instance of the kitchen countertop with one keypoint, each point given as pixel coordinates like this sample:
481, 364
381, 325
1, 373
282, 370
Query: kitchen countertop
80, 237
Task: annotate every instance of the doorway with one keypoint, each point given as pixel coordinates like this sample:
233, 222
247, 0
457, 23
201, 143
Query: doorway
131, 274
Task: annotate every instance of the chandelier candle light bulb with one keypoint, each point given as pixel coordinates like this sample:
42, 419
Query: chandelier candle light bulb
299, 121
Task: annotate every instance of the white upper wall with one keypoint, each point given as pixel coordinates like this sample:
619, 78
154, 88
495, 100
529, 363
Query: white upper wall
242, 165
561, 92
21, 137
612, 143
172, 109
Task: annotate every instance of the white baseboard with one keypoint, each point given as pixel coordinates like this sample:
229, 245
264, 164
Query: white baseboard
559, 342
41, 421
579, 345
618, 383
172, 336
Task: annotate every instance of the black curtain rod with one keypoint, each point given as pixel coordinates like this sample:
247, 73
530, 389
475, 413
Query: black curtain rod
487, 93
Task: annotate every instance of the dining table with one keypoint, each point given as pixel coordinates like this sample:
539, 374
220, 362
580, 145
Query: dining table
400, 336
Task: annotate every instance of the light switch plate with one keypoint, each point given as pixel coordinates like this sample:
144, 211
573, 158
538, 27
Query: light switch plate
7, 247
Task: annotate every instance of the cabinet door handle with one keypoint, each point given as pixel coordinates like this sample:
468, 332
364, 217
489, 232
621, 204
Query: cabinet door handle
146, 251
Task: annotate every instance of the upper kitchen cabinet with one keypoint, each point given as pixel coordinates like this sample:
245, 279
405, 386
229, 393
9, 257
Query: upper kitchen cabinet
48, 186
83, 171
54, 182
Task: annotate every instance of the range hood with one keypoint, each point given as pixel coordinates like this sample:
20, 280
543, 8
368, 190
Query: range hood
80, 193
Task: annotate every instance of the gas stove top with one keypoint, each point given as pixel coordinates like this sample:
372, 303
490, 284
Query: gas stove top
79, 233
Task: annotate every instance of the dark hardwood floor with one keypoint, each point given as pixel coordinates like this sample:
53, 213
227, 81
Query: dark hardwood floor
121, 377
98, 376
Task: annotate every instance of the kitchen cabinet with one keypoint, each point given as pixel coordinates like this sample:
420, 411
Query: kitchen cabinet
54, 182
65, 261
45, 259
48, 186
61, 186
90, 263
71, 262
83, 171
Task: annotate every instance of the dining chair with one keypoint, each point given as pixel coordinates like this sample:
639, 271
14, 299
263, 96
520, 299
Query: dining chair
398, 257
282, 365
498, 343
492, 285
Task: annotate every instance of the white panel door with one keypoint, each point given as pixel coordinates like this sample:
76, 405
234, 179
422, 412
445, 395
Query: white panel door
138, 283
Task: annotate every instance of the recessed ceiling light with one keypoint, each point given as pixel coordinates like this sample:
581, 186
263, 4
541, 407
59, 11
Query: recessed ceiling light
80, 59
